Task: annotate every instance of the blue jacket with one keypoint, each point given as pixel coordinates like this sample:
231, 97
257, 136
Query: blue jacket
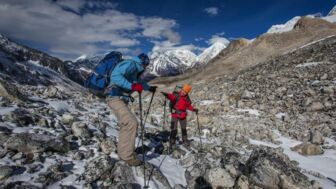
123, 76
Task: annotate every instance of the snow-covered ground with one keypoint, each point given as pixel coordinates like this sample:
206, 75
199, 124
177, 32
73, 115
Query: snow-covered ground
308, 64
324, 164
249, 111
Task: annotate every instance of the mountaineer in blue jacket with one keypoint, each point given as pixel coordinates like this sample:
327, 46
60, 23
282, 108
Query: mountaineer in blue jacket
125, 79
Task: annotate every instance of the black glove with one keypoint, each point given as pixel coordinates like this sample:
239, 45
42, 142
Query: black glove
196, 110
164, 94
152, 89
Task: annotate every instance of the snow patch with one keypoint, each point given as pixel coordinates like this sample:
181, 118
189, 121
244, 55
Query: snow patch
288, 26
171, 169
331, 19
308, 64
250, 111
60, 106
207, 102
82, 57
6, 110
280, 115
324, 164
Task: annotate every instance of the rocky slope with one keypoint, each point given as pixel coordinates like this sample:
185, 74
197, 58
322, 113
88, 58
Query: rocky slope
266, 46
287, 103
12, 53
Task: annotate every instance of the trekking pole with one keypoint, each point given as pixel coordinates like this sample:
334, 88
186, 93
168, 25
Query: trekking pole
142, 139
164, 113
199, 131
150, 104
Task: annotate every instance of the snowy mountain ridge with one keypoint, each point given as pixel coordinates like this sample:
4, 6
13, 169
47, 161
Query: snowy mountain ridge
210, 52
289, 25
175, 61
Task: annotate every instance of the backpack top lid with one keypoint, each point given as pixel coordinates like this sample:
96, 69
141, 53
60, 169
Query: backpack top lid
113, 54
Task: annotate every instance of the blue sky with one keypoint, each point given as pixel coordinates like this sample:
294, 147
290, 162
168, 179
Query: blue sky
70, 28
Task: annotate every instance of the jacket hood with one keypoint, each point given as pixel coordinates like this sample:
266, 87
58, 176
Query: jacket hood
138, 63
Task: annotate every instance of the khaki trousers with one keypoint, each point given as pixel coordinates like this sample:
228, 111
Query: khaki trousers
128, 125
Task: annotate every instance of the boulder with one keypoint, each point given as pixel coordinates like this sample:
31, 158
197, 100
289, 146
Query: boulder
53, 174
80, 129
6, 171
19, 116
108, 146
316, 106
242, 183
219, 177
67, 119
315, 137
32, 142
97, 167
308, 149
271, 168
247, 95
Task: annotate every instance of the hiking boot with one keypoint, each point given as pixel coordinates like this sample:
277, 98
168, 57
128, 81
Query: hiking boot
186, 143
133, 162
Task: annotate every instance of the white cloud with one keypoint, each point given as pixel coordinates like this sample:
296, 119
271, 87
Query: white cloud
166, 45
160, 28
69, 35
217, 38
212, 11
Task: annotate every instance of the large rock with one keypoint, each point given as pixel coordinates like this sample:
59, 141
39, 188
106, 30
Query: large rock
31, 143
204, 119
308, 149
219, 177
10, 91
108, 146
67, 119
53, 174
247, 95
20, 116
80, 129
316, 106
6, 171
315, 137
97, 167
242, 182
271, 168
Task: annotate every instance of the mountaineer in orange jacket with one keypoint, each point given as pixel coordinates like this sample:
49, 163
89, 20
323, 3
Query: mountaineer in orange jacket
180, 104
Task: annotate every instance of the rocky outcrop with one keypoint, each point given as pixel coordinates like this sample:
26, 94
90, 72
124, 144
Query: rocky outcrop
270, 168
308, 149
32, 143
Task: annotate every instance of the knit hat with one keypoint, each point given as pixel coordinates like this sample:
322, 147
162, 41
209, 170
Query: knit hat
186, 88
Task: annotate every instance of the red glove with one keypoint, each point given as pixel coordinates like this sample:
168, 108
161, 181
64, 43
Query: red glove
136, 87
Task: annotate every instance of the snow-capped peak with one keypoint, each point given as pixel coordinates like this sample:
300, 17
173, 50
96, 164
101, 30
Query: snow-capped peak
176, 60
210, 52
288, 26
171, 61
332, 11
82, 57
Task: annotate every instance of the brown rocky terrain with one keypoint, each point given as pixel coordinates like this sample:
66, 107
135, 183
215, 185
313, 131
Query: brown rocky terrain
242, 54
